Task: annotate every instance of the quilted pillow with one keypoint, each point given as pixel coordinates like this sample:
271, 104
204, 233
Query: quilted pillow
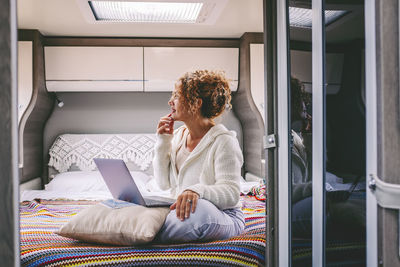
126, 224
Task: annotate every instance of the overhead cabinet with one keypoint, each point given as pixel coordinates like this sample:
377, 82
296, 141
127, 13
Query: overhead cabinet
148, 69
94, 68
164, 65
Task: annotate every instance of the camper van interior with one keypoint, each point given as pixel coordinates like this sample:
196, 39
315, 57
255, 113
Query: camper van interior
94, 77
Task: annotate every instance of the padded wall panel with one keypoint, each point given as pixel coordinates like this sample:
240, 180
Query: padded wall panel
247, 111
36, 114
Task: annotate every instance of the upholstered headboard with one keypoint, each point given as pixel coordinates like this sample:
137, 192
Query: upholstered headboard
111, 113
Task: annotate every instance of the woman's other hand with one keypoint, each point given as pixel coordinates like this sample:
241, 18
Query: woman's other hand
186, 202
166, 125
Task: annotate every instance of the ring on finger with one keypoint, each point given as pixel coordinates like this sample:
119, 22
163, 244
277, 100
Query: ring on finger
189, 201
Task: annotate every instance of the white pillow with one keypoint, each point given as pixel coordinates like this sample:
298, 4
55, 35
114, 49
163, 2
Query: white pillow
130, 225
81, 181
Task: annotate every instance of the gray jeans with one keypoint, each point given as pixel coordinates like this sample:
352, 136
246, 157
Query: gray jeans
207, 223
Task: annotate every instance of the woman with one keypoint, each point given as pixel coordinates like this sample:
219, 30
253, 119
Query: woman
200, 162
345, 209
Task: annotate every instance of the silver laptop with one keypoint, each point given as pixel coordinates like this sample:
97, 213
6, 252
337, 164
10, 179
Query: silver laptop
122, 186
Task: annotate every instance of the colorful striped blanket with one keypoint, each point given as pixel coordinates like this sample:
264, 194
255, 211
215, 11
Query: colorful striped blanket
41, 247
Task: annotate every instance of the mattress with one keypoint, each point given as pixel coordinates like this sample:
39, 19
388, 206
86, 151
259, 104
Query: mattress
40, 246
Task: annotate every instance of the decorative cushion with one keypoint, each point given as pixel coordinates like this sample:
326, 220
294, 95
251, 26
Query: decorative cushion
115, 222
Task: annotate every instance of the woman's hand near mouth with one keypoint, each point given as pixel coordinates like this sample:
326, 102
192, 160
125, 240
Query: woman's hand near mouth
166, 125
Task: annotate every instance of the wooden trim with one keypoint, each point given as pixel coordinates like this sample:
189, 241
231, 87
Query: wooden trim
253, 37
34, 119
28, 35
388, 123
146, 42
9, 220
246, 110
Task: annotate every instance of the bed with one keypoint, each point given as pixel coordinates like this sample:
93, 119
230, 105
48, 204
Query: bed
77, 185
41, 247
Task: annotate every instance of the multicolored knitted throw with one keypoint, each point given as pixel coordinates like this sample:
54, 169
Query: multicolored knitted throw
259, 192
41, 247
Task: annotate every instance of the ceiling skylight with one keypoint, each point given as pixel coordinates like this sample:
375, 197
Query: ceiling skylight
302, 17
161, 12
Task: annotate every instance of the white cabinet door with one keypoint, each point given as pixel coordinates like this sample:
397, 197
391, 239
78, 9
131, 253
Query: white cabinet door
164, 65
25, 76
94, 68
257, 76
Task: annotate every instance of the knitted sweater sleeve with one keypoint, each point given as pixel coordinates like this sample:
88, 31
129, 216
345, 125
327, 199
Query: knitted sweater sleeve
161, 160
228, 160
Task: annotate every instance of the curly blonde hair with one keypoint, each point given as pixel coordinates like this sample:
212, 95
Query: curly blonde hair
212, 87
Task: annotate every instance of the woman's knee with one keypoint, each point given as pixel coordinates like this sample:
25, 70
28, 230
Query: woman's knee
205, 210
195, 227
203, 214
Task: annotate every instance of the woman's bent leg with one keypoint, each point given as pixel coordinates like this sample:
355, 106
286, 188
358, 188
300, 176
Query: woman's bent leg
206, 223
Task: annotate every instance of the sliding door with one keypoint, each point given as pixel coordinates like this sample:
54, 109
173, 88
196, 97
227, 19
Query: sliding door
365, 154
300, 137
320, 132
295, 134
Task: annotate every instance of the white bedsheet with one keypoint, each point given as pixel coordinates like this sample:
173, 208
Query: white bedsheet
62, 188
58, 194
29, 195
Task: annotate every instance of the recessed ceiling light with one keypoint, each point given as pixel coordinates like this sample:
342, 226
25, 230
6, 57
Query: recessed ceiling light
152, 11
302, 17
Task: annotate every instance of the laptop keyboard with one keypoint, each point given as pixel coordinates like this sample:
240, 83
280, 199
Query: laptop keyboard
158, 201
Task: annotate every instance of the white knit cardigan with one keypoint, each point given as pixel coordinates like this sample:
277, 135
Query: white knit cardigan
212, 169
